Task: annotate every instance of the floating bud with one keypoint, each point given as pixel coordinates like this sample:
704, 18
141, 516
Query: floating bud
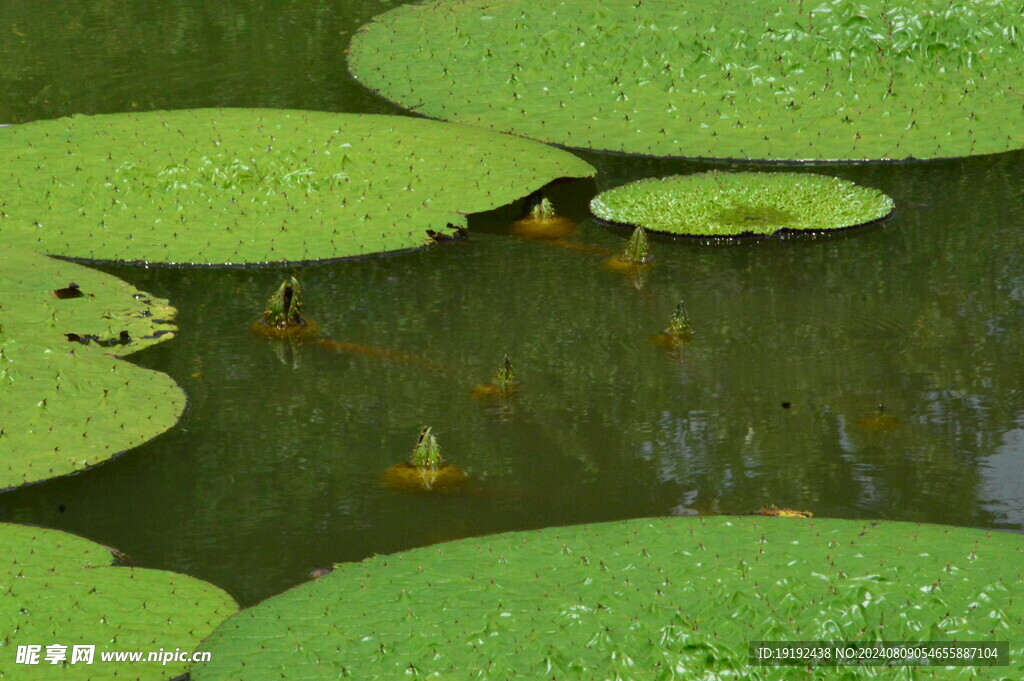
426, 471
634, 261
505, 377
282, 317
678, 331
284, 308
503, 383
542, 221
637, 250
426, 453
542, 210
679, 325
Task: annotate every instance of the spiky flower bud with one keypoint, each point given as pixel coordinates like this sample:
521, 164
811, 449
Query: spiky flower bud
679, 325
637, 250
543, 210
284, 307
505, 378
426, 453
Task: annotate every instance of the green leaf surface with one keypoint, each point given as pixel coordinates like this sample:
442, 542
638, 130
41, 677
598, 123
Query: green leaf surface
230, 186
66, 405
718, 204
673, 598
60, 589
757, 79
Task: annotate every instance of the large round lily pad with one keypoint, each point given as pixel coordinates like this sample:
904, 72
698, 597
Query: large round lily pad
641, 599
718, 204
67, 401
840, 80
218, 186
63, 590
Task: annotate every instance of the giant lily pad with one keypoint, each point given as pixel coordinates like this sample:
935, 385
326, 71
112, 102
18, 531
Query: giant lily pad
62, 590
67, 401
216, 186
837, 80
643, 599
731, 204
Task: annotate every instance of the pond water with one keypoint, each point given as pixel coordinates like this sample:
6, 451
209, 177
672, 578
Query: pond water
275, 469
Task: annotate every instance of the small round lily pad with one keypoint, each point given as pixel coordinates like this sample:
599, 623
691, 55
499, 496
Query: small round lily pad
68, 401
640, 599
61, 591
716, 204
230, 186
761, 79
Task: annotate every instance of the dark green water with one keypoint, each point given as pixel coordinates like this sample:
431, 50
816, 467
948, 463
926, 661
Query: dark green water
275, 468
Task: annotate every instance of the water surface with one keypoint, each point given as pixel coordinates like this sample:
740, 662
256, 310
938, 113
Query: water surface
275, 468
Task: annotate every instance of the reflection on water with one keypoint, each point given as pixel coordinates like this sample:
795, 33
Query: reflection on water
62, 57
276, 467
